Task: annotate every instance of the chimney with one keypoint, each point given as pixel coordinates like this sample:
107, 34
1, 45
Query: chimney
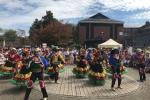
147, 22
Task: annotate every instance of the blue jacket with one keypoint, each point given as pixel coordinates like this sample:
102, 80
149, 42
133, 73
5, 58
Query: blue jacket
112, 61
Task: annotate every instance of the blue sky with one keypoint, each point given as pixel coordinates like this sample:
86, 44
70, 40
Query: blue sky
20, 14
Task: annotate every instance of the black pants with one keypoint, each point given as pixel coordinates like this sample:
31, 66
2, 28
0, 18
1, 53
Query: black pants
14, 67
33, 77
116, 74
141, 68
55, 75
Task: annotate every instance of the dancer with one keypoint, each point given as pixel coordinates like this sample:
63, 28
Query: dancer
140, 64
22, 78
97, 73
147, 61
49, 70
115, 63
81, 69
123, 68
10, 65
55, 61
36, 66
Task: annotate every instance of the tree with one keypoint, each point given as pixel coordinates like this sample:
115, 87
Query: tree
10, 35
37, 24
21, 33
48, 18
56, 33
75, 34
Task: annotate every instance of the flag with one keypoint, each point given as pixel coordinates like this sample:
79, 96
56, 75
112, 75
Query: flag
4, 43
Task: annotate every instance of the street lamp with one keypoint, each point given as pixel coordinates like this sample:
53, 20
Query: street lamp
102, 35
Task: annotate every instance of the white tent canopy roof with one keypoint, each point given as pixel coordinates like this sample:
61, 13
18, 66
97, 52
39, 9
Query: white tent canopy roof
109, 44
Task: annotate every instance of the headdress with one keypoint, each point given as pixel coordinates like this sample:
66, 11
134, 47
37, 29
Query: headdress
138, 50
37, 49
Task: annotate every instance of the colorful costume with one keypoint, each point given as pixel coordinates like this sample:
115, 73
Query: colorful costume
55, 61
22, 78
108, 68
10, 65
81, 69
49, 70
140, 64
115, 66
97, 73
36, 66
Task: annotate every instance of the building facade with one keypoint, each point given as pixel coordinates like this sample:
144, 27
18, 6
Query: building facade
129, 34
142, 38
98, 29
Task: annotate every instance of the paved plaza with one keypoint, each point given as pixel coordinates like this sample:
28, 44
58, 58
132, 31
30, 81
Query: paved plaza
75, 88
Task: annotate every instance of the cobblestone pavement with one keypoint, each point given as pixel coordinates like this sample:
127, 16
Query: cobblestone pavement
73, 88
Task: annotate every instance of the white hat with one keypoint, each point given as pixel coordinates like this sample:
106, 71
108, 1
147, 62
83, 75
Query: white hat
37, 49
138, 50
147, 52
14, 49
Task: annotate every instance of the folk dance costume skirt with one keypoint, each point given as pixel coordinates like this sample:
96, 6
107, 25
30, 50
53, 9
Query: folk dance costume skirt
97, 74
21, 78
7, 68
50, 70
108, 68
81, 69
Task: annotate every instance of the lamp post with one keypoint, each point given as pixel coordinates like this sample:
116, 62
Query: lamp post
102, 35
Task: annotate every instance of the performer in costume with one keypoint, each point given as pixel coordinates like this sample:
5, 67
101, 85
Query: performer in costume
97, 73
49, 70
115, 63
10, 65
22, 78
140, 60
123, 69
36, 66
147, 61
55, 61
81, 69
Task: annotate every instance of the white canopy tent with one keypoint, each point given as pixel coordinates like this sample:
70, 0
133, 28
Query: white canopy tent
109, 44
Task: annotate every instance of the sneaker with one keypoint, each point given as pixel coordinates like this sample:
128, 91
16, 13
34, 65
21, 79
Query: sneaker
113, 89
57, 82
142, 80
44, 98
119, 87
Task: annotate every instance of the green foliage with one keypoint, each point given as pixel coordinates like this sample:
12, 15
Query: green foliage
77, 46
37, 24
10, 35
75, 34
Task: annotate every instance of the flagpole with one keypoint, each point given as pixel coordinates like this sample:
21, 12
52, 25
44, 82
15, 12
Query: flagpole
4, 43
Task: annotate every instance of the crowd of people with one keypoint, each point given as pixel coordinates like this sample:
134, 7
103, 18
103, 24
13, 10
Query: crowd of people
29, 65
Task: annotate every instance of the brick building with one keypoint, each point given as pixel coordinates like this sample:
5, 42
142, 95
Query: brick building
129, 34
99, 28
142, 38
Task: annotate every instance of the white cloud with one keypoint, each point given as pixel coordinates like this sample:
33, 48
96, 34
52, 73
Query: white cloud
139, 16
20, 14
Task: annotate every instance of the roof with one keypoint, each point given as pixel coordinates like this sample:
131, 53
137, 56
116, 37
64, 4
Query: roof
100, 18
148, 27
132, 25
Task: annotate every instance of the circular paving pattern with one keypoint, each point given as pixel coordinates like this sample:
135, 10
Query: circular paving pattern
73, 86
